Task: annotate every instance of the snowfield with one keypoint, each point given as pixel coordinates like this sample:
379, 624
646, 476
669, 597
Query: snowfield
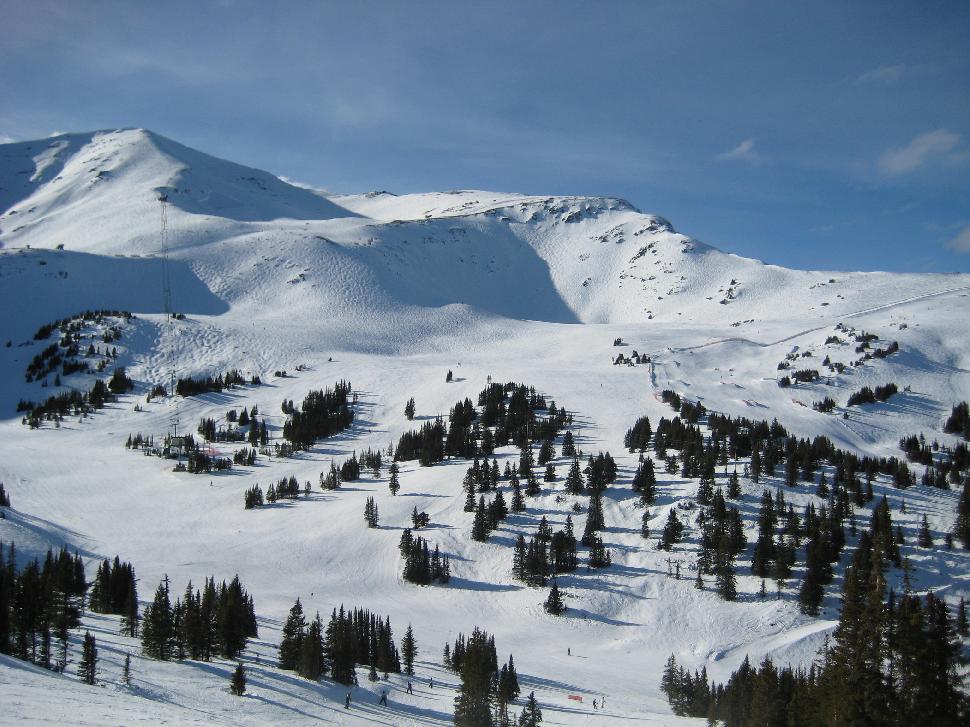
391, 292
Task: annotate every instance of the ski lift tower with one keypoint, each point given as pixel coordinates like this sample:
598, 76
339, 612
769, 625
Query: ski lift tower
162, 198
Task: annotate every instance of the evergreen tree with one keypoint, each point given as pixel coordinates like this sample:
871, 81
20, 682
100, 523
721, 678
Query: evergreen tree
531, 714
961, 528
554, 604
88, 667
477, 693
409, 409
126, 670
158, 627
645, 525
480, 524
672, 532
409, 650
311, 660
925, 539
574, 479
237, 684
394, 483
291, 643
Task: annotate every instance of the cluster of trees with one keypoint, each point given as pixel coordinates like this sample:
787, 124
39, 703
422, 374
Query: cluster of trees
253, 497
422, 565
371, 514
52, 356
959, 420
546, 554
287, 488
487, 517
115, 591
894, 660
645, 481
722, 540
73, 324
323, 414
865, 395
198, 461
425, 444
216, 621
826, 405
637, 437
39, 602
204, 384
350, 637
486, 690
57, 406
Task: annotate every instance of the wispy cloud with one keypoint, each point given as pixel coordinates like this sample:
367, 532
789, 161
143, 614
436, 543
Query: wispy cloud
883, 74
743, 152
926, 148
4, 139
961, 242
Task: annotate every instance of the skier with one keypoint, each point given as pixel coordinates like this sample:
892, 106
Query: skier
410, 690
569, 651
347, 701
383, 698
431, 683
594, 704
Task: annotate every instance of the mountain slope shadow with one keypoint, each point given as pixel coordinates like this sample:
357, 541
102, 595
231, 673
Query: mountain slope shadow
39, 286
477, 262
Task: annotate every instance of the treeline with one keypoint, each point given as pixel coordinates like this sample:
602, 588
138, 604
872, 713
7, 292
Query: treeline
323, 414
349, 638
39, 603
894, 660
214, 621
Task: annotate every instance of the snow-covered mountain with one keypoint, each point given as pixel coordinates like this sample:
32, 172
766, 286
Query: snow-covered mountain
391, 292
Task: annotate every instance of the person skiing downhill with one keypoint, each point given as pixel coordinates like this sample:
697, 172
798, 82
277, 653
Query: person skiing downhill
347, 701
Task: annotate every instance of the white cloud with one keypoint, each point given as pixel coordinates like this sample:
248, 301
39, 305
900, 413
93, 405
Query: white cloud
743, 152
925, 148
4, 139
961, 243
883, 74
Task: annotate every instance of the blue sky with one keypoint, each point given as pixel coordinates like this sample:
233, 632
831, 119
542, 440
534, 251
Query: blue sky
822, 135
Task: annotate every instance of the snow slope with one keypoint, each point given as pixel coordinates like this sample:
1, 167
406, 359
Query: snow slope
390, 292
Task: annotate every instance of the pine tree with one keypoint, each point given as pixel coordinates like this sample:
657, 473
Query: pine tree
409, 650
554, 604
477, 669
574, 479
480, 524
88, 667
961, 528
531, 714
962, 626
158, 628
645, 525
291, 643
237, 685
925, 539
126, 670
394, 483
311, 660
409, 409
